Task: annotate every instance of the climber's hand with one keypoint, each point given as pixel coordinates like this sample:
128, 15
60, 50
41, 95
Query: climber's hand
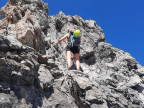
58, 42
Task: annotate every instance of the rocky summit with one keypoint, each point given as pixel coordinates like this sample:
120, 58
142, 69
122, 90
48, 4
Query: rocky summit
33, 71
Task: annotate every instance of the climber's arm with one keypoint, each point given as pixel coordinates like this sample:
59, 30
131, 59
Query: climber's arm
66, 36
72, 30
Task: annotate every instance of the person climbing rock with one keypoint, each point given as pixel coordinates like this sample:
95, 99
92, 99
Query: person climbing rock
72, 46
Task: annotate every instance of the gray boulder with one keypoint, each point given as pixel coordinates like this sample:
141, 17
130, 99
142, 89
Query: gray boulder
9, 43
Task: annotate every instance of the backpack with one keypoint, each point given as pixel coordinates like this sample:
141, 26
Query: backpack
73, 41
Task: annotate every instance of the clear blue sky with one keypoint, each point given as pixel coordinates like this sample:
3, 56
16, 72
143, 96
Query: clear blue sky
121, 20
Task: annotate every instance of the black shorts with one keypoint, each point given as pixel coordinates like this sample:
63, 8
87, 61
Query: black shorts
73, 49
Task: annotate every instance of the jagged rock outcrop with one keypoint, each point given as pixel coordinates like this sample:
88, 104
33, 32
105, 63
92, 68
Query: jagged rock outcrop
115, 72
26, 21
111, 78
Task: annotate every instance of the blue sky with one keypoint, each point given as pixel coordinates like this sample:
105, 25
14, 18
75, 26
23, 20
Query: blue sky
121, 20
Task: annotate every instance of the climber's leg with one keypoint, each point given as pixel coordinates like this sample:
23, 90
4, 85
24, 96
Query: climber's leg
77, 62
68, 54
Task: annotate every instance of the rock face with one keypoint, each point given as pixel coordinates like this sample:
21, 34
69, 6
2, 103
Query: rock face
111, 78
20, 19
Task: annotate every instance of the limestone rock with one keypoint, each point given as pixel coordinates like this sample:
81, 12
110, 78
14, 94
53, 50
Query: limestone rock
114, 70
45, 78
22, 22
9, 43
33, 71
90, 24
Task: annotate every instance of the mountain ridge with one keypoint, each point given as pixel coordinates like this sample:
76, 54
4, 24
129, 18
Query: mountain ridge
34, 72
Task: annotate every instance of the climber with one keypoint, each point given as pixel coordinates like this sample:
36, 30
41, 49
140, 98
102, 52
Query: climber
72, 46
